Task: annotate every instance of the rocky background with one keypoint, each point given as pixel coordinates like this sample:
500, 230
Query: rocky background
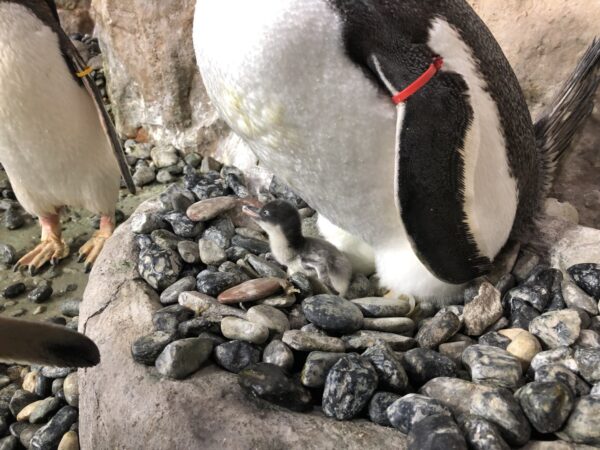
158, 94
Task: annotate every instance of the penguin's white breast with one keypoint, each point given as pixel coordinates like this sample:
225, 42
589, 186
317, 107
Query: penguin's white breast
278, 73
51, 141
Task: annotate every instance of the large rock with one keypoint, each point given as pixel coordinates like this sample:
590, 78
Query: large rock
153, 82
75, 16
121, 401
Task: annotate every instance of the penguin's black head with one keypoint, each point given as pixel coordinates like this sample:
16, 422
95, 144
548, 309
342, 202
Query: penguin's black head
278, 216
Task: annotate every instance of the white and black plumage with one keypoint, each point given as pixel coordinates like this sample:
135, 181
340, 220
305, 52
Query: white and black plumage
24, 342
57, 143
431, 189
310, 256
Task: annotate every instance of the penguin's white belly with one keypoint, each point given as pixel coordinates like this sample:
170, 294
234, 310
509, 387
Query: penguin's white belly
278, 73
51, 141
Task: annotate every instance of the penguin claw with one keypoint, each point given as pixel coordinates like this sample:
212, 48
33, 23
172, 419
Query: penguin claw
87, 267
81, 258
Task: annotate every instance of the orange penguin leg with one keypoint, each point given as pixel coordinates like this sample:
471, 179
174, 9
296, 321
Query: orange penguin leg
52, 247
92, 248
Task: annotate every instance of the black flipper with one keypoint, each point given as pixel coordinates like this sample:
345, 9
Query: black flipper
572, 105
25, 342
47, 13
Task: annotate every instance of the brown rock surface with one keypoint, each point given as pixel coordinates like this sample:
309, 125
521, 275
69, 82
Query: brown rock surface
124, 405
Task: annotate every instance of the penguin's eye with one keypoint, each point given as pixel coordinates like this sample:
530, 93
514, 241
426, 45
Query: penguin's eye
266, 213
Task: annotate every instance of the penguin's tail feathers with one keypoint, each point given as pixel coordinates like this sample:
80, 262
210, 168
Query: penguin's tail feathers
573, 104
25, 342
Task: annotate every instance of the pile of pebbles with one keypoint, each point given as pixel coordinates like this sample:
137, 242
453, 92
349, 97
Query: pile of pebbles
38, 408
519, 361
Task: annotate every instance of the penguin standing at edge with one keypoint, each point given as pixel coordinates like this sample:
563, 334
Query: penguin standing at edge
310, 256
57, 143
400, 122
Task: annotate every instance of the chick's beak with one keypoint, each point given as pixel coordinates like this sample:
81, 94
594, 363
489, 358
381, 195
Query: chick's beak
251, 211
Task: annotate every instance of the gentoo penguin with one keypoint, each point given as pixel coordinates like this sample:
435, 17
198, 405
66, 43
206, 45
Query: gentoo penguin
310, 256
57, 143
399, 121
23, 342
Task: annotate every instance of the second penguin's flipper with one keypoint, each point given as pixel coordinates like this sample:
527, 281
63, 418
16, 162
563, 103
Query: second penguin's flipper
80, 70
24, 342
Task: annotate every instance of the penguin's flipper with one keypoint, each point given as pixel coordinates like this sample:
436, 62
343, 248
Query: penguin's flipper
80, 70
322, 272
431, 130
24, 342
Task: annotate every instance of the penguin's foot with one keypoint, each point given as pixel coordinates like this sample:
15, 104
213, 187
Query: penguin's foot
92, 248
52, 247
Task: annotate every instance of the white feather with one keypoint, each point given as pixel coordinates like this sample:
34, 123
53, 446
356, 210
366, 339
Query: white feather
51, 142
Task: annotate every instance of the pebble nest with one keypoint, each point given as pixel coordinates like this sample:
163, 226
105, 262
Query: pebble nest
518, 360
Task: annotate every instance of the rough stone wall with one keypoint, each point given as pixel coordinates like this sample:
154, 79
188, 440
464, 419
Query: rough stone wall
75, 16
153, 81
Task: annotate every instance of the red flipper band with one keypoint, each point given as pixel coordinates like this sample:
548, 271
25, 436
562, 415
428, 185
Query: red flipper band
412, 89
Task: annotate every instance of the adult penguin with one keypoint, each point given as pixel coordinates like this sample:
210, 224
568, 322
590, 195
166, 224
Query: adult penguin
400, 122
57, 143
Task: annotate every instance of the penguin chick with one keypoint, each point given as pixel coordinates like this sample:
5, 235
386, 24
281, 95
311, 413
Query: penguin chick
310, 256
24, 342
57, 143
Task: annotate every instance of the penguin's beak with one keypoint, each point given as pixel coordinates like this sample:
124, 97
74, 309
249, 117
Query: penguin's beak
251, 211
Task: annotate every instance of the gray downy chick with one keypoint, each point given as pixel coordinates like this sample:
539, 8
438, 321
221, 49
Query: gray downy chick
311, 256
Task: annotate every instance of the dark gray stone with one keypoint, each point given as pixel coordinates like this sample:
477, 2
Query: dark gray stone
561, 355
557, 373
481, 434
236, 355
253, 245
409, 410
349, 386
279, 354
364, 339
392, 376
213, 283
378, 406
333, 314
20, 400
49, 436
587, 277
583, 425
265, 268
8, 254
521, 314
383, 307
270, 383
44, 410
423, 364
41, 293
189, 251
181, 358
546, 404
70, 308
171, 294
146, 349
436, 432
14, 290
495, 339
146, 223
557, 328
168, 318
317, 367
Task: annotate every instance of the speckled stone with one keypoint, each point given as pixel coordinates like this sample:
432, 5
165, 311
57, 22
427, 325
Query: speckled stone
159, 267
270, 317
557, 373
423, 364
265, 268
493, 366
206, 210
575, 297
557, 328
546, 404
208, 306
41, 293
409, 410
146, 223
454, 350
561, 355
391, 373
43, 410
270, 383
317, 366
495, 339
583, 425
364, 339
302, 283
168, 318
481, 434
243, 330
383, 307
349, 386
189, 252
438, 330
236, 355
333, 314
279, 354
436, 432
588, 339
378, 406
483, 311
464, 397
252, 290
211, 253
308, 342
182, 358
587, 277
588, 361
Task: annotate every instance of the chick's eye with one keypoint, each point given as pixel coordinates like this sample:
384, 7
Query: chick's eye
266, 213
